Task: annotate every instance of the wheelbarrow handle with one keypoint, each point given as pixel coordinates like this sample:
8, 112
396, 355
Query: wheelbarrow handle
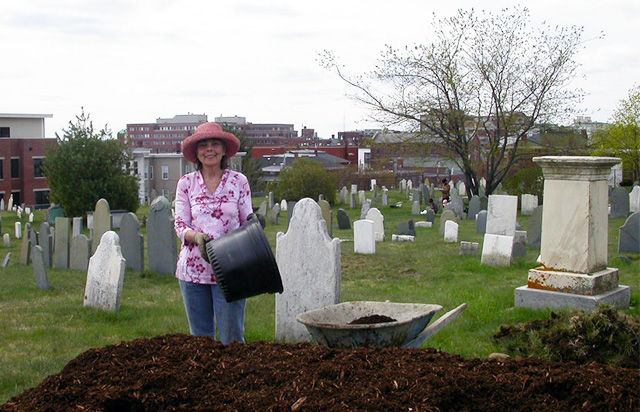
435, 327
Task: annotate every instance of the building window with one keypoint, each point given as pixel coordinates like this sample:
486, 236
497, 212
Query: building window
146, 173
15, 168
150, 172
135, 168
165, 172
41, 197
1, 169
38, 167
16, 198
5, 132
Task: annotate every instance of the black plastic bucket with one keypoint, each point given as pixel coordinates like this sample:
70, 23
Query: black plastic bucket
244, 264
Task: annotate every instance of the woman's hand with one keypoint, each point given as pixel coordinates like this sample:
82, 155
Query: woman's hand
201, 240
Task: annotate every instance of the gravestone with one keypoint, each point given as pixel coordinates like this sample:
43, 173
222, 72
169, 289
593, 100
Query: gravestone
271, 200
629, 234
327, 215
263, 208
6, 260
79, 253
362, 197
10, 203
423, 224
364, 238
403, 238
132, 242
273, 214
46, 242
76, 226
161, 238
2, 204
105, 274
431, 215
17, 228
469, 248
52, 213
292, 208
25, 249
354, 189
462, 188
519, 243
534, 229
385, 197
446, 215
415, 208
484, 203
481, 222
619, 203
283, 205
344, 195
6, 239
474, 207
402, 186
352, 201
343, 220
573, 270
497, 250
309, 265
528, 203
406, 228
61, 243
365, 209
502, 214
377, 218
101, 223
457, 204
425, 193
634, 200
417, 196
450, 231
40, 269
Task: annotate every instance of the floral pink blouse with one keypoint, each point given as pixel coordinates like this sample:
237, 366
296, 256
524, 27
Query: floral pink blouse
214, 214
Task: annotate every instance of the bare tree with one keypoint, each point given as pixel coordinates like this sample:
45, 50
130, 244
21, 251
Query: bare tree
476, 90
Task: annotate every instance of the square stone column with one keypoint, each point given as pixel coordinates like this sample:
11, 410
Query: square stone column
574, 243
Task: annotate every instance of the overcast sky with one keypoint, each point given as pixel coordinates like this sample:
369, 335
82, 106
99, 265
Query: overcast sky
133, 61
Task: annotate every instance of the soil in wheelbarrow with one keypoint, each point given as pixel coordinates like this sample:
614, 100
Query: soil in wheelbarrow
187, 373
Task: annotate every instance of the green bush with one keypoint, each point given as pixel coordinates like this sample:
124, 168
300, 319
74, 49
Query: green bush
604, 335
525, 181
305, 178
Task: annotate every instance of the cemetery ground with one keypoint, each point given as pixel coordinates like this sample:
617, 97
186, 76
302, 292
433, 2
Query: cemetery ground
43, 330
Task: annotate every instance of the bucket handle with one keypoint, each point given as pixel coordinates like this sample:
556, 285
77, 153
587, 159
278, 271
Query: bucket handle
435, 327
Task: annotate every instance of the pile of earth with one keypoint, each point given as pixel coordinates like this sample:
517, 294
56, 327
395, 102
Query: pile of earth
187, 373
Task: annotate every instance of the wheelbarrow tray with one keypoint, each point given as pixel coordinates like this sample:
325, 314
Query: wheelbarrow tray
330, 326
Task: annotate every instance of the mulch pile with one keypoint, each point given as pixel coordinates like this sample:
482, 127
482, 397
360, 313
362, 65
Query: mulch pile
187, 373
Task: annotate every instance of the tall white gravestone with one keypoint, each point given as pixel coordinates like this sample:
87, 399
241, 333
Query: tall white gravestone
105, 276
573, 250
309, 264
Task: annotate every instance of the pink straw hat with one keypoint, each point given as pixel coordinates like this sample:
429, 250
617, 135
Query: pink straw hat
205, 131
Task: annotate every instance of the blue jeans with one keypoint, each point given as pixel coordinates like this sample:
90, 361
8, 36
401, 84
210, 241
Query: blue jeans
206, 308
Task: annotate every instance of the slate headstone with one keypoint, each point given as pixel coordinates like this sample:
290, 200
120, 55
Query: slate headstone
431, 215
484, 203
105, 274
446, 215
519, 243
132, 242
481, 222
474, 207
61, 242
343, 220
40, 269
76, 226
352, 201
79, 252
415, 207
619, 199
309, 265
629, 234
364, 209
101, 223
25, 249
46, 242
327, 215
6, 260
534, 228
469, 248
161, 238
406, 228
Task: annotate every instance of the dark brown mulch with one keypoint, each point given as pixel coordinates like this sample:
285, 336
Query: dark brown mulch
187, 373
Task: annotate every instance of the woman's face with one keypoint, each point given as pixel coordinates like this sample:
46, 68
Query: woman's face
210, 152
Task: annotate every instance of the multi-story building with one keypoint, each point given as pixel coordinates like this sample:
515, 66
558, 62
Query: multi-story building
260, 134
165, 135
22, 150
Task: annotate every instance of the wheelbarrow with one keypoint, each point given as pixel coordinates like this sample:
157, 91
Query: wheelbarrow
331, 326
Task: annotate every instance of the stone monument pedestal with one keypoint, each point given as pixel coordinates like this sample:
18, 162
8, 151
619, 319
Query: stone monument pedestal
574, 241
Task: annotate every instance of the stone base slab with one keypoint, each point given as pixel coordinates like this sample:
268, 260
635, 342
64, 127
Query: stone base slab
526, 297
577, 283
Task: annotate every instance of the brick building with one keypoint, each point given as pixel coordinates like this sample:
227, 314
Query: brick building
22, 150
165, 135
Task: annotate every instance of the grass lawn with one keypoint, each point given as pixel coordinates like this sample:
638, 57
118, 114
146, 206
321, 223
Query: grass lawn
43, 330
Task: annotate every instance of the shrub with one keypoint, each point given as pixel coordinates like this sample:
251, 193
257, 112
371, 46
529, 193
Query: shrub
604, 335
305, 178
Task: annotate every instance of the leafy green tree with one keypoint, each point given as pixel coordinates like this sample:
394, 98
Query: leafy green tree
305, 178
87, 166
475, 89
622, 138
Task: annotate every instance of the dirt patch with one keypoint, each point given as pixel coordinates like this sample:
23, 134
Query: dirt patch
187, 373
372, 319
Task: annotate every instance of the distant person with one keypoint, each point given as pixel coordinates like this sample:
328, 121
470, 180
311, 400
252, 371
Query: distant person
433, 205
445, 191
210, 202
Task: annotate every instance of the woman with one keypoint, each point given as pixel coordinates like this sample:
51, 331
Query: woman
210, 202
